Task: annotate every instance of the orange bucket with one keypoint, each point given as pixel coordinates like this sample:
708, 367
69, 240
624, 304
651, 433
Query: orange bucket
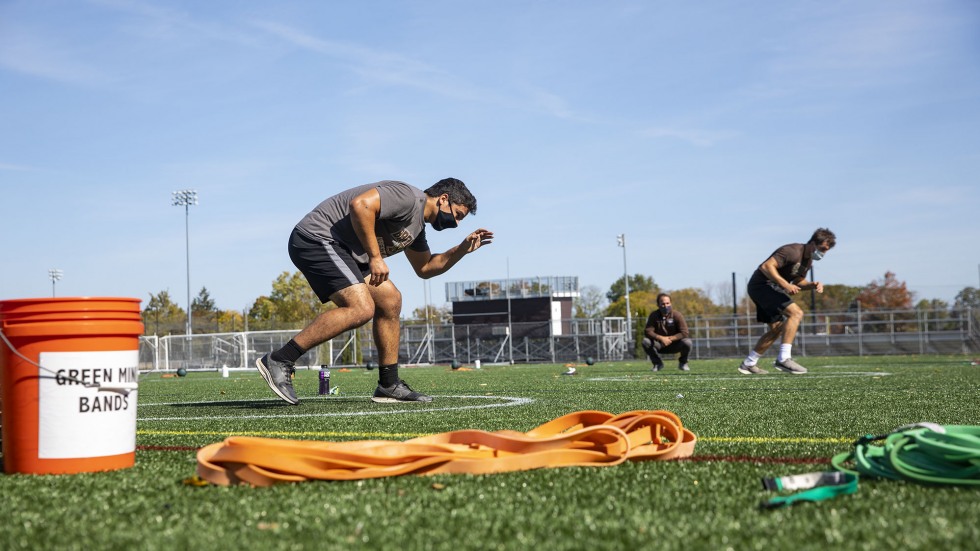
68, 374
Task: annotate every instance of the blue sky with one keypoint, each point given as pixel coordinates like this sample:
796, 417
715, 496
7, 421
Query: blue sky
709, 133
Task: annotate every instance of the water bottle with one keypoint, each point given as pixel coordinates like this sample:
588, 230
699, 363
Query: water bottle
324, 380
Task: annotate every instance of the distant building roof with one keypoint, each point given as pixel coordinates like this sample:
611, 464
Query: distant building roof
513, 288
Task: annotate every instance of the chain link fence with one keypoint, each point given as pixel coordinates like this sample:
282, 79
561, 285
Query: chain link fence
852, 333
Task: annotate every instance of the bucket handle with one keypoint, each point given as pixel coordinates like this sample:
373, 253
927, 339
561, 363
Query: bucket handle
121, 388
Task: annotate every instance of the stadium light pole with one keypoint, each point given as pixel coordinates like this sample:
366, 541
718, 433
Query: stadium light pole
55, 276
621, 240
185, 198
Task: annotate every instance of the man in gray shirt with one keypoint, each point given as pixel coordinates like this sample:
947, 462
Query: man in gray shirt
341, 246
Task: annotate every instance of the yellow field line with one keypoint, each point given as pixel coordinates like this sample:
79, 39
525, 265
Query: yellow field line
770, 440
402, 435
279, 433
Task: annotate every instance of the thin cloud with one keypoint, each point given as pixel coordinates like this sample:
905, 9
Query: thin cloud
160, 22
397, 69
693, 136
862, 49
377, 65
28, 53
933, 195
16, 168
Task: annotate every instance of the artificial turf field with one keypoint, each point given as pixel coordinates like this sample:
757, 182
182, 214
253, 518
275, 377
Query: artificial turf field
748, 427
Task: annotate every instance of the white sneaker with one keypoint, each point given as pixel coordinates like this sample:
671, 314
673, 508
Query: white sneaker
746, 369
789, 366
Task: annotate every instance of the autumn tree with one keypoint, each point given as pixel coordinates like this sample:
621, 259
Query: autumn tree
163, 316
433, 314
641, 304
638, 282
695, 302
887, 293
932, 304
229, 320
292, 304
969, 297
720, 295
935, 315
262, 314
203, 310
589, 303
835, 298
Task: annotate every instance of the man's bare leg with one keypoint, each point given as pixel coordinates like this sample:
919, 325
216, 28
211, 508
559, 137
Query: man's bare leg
387, 321
387, 328
794, 316
785, 361
354, 308
769, 337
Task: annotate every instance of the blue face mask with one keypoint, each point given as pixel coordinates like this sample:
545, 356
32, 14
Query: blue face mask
445, 219
817, 254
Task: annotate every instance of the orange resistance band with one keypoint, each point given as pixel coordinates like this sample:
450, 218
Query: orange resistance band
582, 438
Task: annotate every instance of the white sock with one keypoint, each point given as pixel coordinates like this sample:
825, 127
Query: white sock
785, 352
752, 359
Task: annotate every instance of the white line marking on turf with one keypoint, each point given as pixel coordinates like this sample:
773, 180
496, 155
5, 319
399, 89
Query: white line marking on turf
838, 375
510, 402
800, 377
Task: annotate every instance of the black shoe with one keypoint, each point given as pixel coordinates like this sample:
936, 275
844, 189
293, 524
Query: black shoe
399, 392
279, 376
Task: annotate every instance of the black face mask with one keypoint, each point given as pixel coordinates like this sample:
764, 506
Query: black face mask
445, 219
665, 310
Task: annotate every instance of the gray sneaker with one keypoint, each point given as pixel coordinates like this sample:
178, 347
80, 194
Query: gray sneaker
399, 392
279, 376
683, 367
789, 366
751, 369
658, 367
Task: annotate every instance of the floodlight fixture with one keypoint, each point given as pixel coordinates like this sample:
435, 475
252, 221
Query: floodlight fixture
621, 241
55, 276
185, 198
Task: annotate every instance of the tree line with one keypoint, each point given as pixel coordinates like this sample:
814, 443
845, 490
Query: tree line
291, 304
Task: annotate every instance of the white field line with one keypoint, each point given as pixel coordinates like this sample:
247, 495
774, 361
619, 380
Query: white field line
510, 401
740, 377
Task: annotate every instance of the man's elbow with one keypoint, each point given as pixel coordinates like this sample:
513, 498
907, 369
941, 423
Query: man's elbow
426, 272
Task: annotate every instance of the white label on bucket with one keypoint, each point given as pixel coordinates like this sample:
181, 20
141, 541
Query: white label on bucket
75, 421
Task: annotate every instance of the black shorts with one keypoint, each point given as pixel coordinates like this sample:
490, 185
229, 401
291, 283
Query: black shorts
770, 303
327, 265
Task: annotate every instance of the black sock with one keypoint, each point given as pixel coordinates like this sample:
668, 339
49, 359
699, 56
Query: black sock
388, 375
288, 353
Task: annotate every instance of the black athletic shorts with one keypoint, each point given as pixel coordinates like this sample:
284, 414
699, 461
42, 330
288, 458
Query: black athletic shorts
770, 303
327, 264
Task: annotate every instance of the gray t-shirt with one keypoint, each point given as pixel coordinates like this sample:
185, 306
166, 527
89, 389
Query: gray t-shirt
399, 224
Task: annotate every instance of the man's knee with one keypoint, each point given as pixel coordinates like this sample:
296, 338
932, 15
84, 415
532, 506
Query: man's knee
357, 302
685, 345
793, 312
387, 301
648, 344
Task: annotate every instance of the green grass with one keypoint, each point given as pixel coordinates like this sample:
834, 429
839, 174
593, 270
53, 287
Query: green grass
748, 427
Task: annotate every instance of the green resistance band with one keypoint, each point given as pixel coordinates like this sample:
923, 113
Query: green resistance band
925, 453
817, 487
